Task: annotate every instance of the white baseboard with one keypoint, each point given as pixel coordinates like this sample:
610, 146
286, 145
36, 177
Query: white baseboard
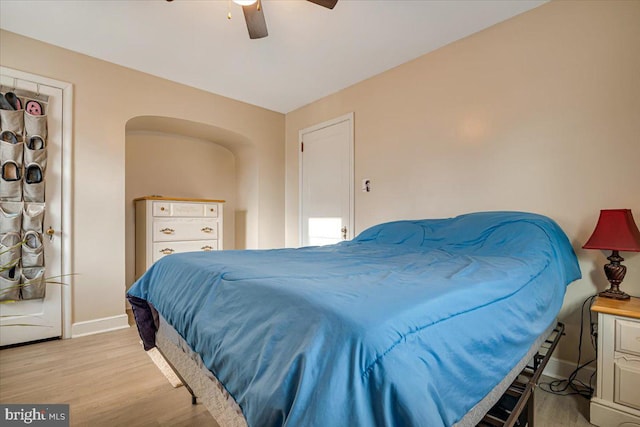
97, 326
561, 369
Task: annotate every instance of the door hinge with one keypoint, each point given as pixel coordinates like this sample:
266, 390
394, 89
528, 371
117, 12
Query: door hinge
302, 147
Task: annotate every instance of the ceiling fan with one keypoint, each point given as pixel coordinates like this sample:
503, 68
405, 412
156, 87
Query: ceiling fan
254, 16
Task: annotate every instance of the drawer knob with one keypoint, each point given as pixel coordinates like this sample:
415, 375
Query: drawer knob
167, 230
207, 229
207, 248
167, 251
162, 208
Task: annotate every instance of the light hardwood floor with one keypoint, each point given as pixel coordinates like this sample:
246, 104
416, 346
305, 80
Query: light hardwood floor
108, 380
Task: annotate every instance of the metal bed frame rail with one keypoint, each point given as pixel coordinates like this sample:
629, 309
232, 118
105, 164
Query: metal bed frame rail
516, 406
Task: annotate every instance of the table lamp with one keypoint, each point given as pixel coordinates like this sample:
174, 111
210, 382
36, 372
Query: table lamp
615, 231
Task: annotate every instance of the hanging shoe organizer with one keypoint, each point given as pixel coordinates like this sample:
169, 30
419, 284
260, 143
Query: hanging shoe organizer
23, 164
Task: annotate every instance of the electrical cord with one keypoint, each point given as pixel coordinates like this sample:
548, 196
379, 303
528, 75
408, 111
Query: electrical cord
572, 385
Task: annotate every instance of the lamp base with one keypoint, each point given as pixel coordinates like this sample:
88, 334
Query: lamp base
615, 294
615, 273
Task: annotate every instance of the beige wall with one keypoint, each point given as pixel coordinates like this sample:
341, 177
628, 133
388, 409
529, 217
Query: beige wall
106, 97
176, 166
540, 113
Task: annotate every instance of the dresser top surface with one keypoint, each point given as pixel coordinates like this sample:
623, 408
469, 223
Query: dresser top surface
177, 199
627, 308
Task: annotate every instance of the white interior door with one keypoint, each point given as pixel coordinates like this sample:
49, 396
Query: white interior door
326, 182
37, 319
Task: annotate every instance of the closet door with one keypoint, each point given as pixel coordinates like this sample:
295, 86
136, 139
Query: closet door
326, 182
37, 313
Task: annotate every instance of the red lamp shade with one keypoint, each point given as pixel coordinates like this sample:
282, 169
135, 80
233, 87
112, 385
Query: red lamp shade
615, 231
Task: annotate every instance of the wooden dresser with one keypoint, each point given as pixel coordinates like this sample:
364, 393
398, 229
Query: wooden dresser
165, 226
617, 399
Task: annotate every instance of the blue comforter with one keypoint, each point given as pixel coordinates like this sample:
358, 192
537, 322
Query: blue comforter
410, 324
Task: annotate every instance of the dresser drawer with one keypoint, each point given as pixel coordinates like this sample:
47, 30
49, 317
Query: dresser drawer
161, 209
187, 209
174, 209
162, 249
628, 336
627, 381
178, 229
211, 210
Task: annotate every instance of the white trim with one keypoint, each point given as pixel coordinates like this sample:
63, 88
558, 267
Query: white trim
97, 326
562, 369
349, 118
67, 198
67, 190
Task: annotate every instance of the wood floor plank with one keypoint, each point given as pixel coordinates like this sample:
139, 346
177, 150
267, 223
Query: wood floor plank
108, 380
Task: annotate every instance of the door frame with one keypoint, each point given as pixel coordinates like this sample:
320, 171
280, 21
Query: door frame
67, 195
348, 118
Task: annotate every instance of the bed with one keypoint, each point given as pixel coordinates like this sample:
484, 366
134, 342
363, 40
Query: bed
412, 323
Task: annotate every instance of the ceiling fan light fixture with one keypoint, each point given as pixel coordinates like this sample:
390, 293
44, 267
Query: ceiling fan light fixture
254, 16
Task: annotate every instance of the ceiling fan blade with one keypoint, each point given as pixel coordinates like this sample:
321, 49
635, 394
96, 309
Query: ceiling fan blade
256, 23
329, 4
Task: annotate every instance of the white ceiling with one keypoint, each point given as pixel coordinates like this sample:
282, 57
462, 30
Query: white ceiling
310, 52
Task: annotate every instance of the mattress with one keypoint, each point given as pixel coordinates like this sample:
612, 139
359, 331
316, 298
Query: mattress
386, 329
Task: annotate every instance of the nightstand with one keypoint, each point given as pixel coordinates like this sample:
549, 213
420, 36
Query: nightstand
617, 399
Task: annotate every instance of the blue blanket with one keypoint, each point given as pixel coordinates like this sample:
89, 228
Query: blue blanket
410, 324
